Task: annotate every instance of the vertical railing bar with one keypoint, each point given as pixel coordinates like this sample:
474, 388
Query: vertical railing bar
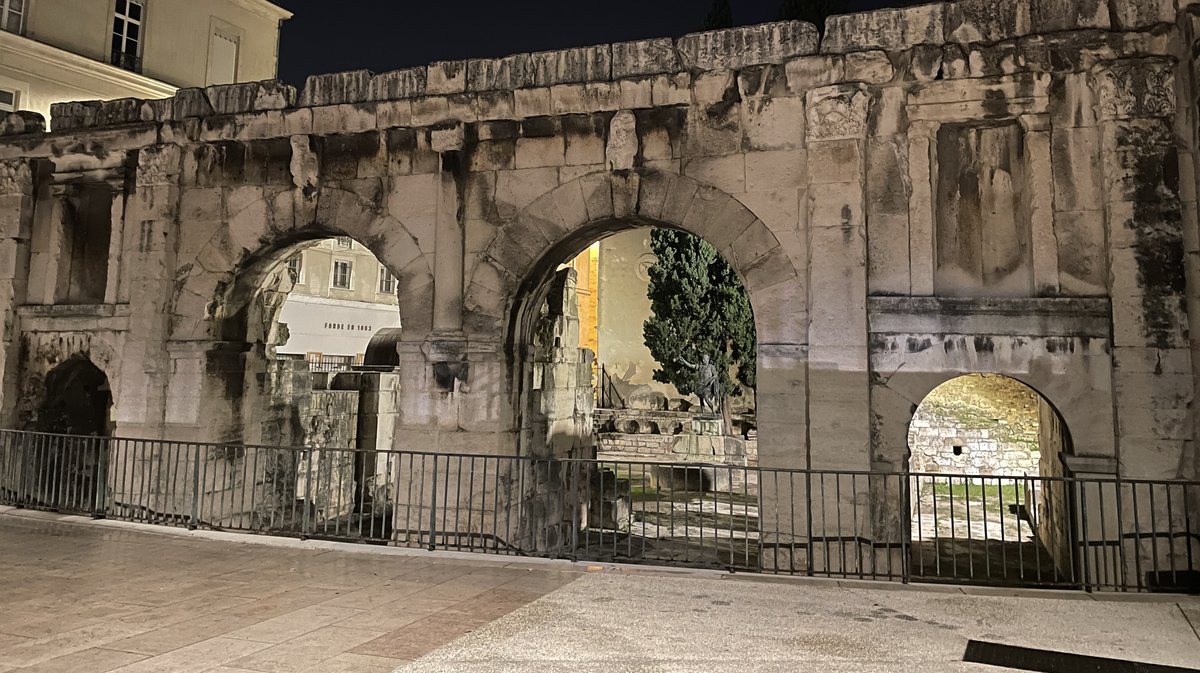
433, 507
1137, 538
1153, 532
1087, 534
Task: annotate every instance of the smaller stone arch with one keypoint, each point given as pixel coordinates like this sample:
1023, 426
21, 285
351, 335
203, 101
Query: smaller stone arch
216, 282
77, 400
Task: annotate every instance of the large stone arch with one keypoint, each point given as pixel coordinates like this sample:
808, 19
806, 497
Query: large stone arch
238, 253
562, 222
565, 220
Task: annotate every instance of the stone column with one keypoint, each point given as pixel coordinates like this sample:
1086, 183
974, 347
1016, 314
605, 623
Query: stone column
1040, 201
448, 237
148, 267
16, 223
46, 245
839, 406
922, 170
1152, 365
113, 291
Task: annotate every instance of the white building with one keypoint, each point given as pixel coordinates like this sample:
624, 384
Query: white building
69, 50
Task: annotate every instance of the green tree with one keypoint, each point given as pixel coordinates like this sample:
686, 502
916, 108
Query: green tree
698, 306
720, 15
812, 11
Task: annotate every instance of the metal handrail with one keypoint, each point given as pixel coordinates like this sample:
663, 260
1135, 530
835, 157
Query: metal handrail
1099, 533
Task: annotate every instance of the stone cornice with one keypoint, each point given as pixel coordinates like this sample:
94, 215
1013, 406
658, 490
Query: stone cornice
83, 65
264, 8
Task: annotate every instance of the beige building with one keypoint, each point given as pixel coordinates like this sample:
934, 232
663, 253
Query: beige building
342, 296
68, 50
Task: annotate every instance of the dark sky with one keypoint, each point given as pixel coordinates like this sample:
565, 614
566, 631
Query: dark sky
382, 35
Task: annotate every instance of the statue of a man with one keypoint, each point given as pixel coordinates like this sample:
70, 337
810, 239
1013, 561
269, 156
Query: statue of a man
708, 384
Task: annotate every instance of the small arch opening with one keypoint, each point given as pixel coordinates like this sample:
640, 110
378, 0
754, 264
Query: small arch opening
986, 453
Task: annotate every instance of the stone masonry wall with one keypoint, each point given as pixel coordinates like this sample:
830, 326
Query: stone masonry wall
1001, 186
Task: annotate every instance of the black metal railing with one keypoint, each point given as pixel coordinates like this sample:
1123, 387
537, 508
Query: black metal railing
330, 363
1069, 532
126, 61
607, 395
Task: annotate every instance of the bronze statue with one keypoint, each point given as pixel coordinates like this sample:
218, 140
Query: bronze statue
708, 384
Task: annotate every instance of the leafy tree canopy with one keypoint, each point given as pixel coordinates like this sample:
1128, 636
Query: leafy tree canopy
698, 307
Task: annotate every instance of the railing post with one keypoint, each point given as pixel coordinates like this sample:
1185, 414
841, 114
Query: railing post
308, 479
194, 522
24, 468
433, 505
101, 496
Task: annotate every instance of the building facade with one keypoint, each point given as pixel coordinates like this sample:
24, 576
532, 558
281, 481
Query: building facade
69, 50
342, 295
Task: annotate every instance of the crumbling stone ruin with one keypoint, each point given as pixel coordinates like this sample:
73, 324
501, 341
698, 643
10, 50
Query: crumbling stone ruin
999, 186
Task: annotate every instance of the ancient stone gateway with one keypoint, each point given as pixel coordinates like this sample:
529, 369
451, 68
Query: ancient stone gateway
1000, 187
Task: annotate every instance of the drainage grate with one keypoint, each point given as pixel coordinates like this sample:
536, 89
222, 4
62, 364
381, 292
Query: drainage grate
1049, 661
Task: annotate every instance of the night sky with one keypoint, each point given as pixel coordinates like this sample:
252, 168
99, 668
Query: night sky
382, 35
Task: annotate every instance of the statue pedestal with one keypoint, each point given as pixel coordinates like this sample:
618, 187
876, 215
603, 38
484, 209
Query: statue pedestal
707, 425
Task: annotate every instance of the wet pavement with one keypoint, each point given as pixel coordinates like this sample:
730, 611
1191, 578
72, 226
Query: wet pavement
83, 596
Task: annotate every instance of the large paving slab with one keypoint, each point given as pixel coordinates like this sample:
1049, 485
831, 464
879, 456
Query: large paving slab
99, 596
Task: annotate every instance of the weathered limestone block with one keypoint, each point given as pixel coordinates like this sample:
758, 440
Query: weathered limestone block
1135, 88
837, 112
1130, 14
190, 103
490, 74
71, 116
568, 66
1050, 15
398, 84
251, 97
750, 45
622, 145
644, 57
987, 20
22, 121
890, 29
336, 88
446, 77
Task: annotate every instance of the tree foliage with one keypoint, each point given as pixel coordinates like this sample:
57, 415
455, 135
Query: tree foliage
698, 306
720, 15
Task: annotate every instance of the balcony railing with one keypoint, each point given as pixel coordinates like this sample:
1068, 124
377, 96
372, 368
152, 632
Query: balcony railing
1065, 532
127, 61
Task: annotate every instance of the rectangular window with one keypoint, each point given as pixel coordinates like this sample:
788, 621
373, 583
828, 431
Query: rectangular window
12, 15
296, 268
8, 101
223, 57
128, 19
341, 274
345, 242
387, 282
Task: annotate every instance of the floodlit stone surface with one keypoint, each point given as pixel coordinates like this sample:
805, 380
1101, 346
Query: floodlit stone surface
1004, 187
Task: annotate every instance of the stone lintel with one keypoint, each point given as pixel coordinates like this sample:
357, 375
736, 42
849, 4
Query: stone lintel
1059, 317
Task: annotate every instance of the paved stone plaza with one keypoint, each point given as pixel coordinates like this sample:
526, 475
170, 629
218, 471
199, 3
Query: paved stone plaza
90, 597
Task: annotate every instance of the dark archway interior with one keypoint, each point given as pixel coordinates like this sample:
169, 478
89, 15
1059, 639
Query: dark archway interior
66, 472
78, 400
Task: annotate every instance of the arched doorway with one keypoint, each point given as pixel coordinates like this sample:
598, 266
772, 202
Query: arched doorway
301, 316
987, 500
65, 466
671, 475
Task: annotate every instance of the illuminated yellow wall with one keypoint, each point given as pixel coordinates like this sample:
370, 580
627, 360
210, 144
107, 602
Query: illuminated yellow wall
587, 265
